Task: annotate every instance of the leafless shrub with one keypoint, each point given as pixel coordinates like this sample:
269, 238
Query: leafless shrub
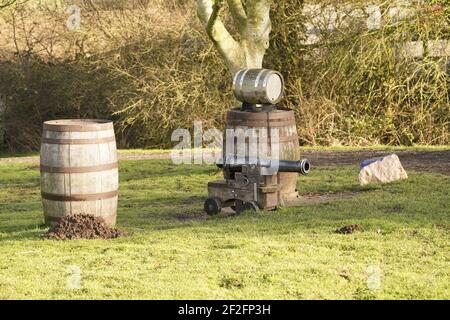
152, 70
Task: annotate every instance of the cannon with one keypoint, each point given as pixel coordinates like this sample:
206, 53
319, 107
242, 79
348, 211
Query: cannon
250, 185
252, 180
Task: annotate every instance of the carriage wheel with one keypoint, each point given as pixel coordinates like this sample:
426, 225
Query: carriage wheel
213, 206
250, 206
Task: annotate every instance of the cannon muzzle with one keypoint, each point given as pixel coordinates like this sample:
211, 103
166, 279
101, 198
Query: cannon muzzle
301, 166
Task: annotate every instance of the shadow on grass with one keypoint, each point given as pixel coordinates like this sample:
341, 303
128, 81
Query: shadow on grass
136, 170
168, 205
304, 218
28, 231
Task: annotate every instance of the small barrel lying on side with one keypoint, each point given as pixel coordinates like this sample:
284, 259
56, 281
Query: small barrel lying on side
79, 171
258, 86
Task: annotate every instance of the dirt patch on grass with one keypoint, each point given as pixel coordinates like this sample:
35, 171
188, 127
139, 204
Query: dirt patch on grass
82, 226
423, 161
202, 216
192, 216
314, 198
348, 229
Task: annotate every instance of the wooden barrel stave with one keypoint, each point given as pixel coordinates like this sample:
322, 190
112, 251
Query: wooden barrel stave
79, 178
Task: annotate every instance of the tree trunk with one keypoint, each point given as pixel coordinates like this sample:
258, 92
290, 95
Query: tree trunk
252, 22
2, 123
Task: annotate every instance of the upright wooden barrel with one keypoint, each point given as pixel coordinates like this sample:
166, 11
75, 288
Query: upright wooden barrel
282, 120
79, 171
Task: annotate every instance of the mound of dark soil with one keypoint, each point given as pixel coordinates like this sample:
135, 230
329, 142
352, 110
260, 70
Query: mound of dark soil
82, 226
348, 229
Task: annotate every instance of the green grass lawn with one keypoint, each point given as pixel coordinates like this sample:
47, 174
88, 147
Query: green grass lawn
174, 253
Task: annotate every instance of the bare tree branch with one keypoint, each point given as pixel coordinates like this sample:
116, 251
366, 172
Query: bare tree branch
209, 13
258, 13
252, 21
6, 3
214, 18
238, 13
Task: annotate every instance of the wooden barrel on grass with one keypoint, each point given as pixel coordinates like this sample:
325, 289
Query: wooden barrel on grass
265, 124
79, 170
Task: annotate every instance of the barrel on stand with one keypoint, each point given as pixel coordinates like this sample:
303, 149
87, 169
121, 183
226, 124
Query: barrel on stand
79, 170
280, 119
258, 86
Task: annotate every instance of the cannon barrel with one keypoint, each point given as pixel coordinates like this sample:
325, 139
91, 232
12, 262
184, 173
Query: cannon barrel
301, 166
